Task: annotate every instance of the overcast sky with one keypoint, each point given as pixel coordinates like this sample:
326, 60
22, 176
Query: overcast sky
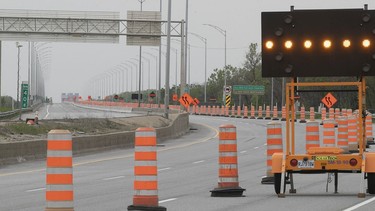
74, 64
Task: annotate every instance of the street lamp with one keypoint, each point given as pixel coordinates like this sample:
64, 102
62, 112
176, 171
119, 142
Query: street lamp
18, 45
205, 63
224, 33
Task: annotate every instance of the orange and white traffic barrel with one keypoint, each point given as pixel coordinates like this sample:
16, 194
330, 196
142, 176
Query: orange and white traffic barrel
222, 111
312, 134
228, 184
368, 122
252, 112
227, 111
344, 112
245, 112
302, 115
274, 115
349, 112
283, 113
312, 114
208, 110
274, 144
353, 133
145, 171
323, 112
329, 135
337, 114
233, 111
342, 133
268, 112
238, 112
260, 115
59, 171
331, 113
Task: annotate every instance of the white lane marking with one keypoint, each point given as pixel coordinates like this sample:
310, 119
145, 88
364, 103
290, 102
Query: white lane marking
243, 151
360, 204
164, 169
36, 189
167, 200
256, 147
112, 178
200, 161
47, 113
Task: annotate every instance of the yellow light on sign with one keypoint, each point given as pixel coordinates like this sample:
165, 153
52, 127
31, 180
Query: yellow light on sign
327, 43
288, 44
307, 44
346, 43
269, 44
366, 43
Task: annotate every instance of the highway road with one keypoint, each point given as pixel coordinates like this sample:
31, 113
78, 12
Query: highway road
72, 111
188, 170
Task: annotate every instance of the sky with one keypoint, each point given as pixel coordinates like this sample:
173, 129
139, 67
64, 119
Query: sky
74, 66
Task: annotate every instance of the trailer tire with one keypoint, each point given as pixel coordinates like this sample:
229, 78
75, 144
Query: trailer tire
370, 183
277, 183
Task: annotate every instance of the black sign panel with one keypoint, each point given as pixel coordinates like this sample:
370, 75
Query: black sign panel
316, 43
135, 96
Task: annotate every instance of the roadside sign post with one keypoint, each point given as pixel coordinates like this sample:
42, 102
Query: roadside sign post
25, 94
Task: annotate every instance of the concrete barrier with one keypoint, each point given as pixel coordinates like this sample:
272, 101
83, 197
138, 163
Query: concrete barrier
15, 152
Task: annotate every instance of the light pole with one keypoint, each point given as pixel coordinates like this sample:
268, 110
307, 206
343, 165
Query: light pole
139, 81
224, 33
205, 63
18, 79
149, 71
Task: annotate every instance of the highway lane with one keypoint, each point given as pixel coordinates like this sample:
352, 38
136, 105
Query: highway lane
187, 172
71, 111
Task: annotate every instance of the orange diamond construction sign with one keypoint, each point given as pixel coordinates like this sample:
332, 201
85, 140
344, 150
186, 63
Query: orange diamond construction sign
329, 100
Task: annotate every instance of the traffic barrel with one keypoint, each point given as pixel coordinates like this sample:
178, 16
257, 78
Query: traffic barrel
208, 111
228, 184
337, 114
344, 112
349, 112
238, 112
222, 111
145, 171
323, 112
283, 113
353, 133
312, 134
342, 133
274, 115
368, 122
252, 112
331, 113
233, 113
245, 113
312, 114
302, 115
227, 111
274, 144
260, 115
268, 112
59, 171
329, 135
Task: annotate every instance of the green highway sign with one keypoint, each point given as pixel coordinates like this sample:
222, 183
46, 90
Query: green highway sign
248, 89
25, 94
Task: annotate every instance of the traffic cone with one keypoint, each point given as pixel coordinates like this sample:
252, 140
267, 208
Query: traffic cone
228, 184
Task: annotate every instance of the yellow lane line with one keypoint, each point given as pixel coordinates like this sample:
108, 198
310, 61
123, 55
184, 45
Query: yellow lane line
124, 156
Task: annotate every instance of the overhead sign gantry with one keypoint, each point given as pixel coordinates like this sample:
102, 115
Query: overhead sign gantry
320, 43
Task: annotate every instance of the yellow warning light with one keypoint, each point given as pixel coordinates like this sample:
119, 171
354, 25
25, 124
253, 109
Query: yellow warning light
327, 43
269, 44
366, 43
346, 43
307, 44
288, 44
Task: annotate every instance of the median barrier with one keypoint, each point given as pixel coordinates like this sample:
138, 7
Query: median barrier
16, 152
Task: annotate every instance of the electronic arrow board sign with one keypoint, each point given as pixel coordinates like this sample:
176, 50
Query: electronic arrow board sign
318, 43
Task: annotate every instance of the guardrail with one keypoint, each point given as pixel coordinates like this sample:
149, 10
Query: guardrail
9, 114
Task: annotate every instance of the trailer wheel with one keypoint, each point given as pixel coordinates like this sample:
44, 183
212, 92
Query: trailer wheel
370, 183
277, 182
